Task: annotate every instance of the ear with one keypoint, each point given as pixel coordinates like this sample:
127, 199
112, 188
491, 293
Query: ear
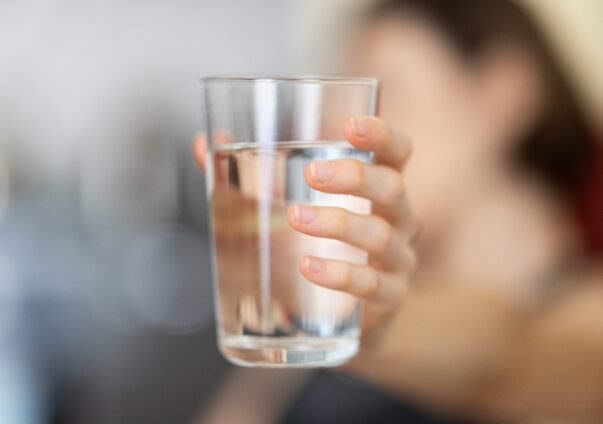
511, 89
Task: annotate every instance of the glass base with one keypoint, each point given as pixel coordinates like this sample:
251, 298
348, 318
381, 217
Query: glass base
287, 352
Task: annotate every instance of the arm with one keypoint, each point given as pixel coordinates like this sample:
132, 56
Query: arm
386, 235
468, 351
457, 347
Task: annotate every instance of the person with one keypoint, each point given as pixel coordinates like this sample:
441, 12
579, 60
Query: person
503, 319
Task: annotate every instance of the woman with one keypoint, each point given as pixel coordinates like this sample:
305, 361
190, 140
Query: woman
488, 328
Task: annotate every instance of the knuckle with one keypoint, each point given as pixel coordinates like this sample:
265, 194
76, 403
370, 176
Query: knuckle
341, 225
396, 188
405, 144
382, 236
382, 137
356, 175
388, 133
345, 276
378, 126
402, 140
372, 283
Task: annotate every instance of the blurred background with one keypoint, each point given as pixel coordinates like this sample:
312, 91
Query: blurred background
105, 288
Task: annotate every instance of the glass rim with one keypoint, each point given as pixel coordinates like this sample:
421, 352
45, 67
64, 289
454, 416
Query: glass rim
316, 79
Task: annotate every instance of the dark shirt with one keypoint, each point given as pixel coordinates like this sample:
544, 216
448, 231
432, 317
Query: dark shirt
330, 398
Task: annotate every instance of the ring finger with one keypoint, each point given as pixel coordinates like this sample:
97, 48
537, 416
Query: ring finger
376, 287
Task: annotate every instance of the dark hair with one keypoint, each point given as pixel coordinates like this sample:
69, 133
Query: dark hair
559, 146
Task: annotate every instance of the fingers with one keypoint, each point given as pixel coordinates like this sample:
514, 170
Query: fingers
380, 184
365, 282
200, 145
371, 133
200, 149
371, 233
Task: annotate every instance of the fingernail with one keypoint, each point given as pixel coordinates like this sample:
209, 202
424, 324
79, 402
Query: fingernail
304, 214
315, 265
321, 170
360, 126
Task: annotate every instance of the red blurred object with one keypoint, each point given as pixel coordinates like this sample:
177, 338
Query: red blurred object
589, 206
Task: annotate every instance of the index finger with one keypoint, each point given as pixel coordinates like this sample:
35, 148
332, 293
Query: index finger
372, 133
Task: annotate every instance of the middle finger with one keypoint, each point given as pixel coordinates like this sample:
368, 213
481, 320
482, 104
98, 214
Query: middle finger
369, 232
380, 184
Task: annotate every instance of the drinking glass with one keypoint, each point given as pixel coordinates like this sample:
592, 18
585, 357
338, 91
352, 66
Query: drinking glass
262, 133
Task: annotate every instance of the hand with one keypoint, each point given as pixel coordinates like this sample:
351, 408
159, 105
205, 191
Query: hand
387, 234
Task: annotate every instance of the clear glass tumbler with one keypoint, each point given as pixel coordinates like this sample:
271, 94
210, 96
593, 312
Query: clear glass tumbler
262, 132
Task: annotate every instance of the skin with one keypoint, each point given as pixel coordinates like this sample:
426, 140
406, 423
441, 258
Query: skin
464, 118
473, 334
382, 283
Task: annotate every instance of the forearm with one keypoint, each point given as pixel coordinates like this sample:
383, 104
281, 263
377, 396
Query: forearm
443, 346
470, 352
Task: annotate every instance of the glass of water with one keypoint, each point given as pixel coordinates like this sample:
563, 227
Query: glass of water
262, 132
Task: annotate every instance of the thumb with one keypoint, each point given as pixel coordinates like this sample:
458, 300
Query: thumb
200, 149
